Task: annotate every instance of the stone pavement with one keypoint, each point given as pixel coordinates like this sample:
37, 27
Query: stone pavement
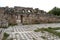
26, 32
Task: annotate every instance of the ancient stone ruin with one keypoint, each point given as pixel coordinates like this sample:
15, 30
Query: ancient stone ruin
25, 15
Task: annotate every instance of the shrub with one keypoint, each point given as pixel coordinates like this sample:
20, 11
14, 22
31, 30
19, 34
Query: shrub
5, 36
12, 24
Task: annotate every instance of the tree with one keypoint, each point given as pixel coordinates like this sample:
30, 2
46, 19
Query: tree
55, 11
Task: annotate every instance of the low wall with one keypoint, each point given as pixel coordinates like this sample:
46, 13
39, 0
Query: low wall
40, 19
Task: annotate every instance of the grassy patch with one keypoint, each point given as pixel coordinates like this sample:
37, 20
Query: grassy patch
5, 36
53, 32
43, 37
50, 30
34, 39
11, 39
12, 24
56, 28
39, 30
4, 27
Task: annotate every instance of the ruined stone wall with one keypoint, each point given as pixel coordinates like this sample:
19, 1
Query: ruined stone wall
3, 21
34, 19
12, 19
30, 16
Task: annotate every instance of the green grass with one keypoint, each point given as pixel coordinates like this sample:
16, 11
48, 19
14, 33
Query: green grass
53, 32
56, 28
3, 27
5, 36
12, 24
11, 39
34, 39
50, 30
43, 37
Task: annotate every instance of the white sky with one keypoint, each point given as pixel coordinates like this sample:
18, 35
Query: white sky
41, 4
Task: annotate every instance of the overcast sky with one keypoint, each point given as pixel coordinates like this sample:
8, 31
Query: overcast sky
41, 4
